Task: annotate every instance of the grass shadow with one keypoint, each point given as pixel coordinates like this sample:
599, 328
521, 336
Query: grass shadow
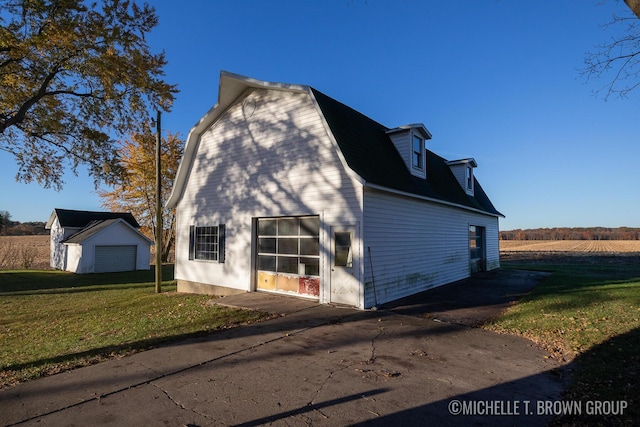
589, 308
575, 286
21, 281
597, 380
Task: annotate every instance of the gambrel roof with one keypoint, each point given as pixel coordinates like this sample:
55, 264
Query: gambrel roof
364, 145
368, 150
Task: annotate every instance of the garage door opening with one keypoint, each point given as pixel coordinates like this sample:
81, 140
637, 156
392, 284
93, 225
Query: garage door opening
288, 255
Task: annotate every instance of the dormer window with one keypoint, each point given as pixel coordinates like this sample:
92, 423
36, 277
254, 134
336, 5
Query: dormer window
463, 171
418, 152
411, 143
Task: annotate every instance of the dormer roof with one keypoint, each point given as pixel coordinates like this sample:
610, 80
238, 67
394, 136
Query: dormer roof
419, 127
470, 161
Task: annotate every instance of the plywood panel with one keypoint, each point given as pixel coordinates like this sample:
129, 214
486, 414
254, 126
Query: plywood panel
287, 283
266, 281
310, 286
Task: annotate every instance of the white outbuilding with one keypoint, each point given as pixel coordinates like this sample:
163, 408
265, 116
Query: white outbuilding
284, 189
97, 242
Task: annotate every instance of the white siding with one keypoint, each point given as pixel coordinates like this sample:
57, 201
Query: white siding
81, 257
276, 161
58, 251
460, 172
74, 259
492, 241
416, 245
403, 141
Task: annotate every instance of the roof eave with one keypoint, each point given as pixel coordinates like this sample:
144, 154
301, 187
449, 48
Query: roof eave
51, 219
430, 199
470, 161
405, 128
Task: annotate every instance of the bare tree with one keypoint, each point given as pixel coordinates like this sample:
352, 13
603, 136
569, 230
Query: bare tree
619, 60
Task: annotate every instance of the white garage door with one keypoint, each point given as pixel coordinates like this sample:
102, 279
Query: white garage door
115, 258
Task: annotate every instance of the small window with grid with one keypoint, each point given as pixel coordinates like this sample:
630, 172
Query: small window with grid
206, 243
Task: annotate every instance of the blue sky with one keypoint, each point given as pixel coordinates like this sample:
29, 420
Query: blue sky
496, 80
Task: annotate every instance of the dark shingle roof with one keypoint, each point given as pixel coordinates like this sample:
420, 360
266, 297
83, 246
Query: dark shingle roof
369, 151
80, 219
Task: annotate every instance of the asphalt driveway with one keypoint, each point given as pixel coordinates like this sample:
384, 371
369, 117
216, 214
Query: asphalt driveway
410, 363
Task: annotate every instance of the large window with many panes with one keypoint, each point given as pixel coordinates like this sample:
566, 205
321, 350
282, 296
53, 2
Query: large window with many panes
288, 254
289, 245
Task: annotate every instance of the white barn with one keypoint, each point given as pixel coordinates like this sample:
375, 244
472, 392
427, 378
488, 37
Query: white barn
96, 242
284, 189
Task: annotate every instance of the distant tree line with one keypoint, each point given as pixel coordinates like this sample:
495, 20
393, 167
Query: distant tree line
17, 228
573, 233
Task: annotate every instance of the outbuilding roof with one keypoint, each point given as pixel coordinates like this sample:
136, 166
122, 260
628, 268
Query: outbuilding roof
81, 219
98, 226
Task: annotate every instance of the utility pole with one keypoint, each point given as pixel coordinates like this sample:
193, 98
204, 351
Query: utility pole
159, 225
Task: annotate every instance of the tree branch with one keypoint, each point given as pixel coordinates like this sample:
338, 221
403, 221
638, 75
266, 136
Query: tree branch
618, 60
79, 72
19, 116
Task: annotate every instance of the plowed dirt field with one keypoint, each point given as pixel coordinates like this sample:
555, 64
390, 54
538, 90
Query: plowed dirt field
588, 246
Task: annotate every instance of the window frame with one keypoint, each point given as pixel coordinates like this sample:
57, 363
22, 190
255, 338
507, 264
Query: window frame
207, 239
469, 177
420, 154
476, 242
280, 245
343, 250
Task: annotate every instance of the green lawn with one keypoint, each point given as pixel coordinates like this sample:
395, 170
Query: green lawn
587, 314
52, 321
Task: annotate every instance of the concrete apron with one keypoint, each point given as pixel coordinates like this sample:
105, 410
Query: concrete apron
315, 365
